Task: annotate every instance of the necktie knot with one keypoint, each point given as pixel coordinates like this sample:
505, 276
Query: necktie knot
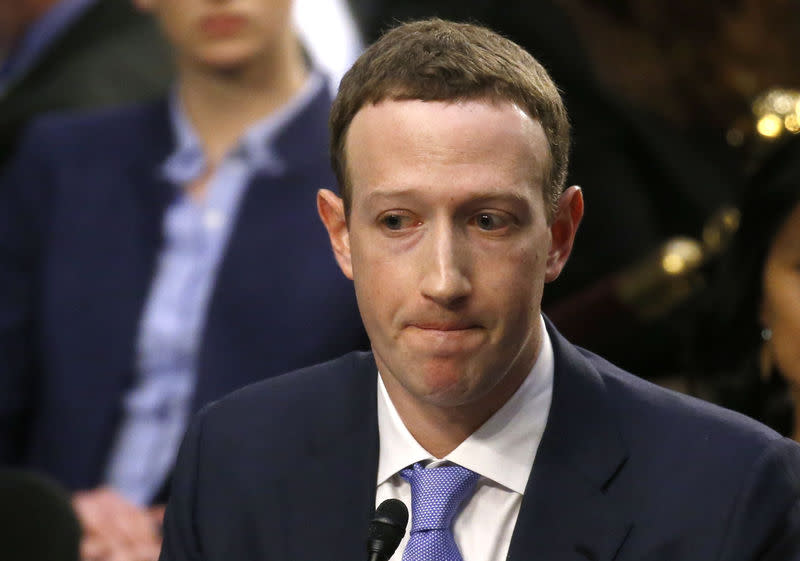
437, 494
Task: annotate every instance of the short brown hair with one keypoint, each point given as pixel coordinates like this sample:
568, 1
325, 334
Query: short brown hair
437, 60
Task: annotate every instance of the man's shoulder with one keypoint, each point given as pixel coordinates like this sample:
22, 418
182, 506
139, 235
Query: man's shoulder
97, 143
327, 391
671, 464
669, 422
81, 152
126, 123
290, 417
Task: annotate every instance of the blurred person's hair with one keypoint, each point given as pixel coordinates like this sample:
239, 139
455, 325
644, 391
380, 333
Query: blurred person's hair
437, 60
729, 336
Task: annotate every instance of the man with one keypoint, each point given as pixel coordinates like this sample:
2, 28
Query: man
135, 244
74, 54
450, 145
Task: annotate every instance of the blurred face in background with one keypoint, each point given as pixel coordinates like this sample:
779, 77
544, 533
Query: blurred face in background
224, 34
780, 306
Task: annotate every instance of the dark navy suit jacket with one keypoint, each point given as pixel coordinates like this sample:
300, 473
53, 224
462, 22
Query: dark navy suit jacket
285, 470
80, 227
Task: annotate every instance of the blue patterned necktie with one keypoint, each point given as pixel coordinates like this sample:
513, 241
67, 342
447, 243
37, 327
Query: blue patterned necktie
436, 495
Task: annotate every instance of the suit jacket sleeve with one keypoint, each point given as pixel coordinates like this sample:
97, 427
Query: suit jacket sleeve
181, 542
22, 217
765, 522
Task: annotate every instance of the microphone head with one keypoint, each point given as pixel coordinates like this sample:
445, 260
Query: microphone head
37, 521
386, 529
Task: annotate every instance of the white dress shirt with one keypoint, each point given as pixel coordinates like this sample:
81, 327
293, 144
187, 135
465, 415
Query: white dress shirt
502, 451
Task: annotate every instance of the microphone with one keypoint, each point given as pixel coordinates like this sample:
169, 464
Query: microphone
37, 521
386, 529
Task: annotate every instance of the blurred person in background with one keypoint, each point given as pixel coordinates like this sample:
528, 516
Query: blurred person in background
748, 351
661, 94
74, 54
58, 55
157, 256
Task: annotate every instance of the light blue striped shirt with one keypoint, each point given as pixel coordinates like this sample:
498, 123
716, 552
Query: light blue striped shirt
157, 407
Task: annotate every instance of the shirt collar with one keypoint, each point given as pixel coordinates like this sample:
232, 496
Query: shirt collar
502, 449
38, 37
257, 146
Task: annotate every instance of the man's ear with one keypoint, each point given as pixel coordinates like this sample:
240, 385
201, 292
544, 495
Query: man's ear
563, 228
331, 211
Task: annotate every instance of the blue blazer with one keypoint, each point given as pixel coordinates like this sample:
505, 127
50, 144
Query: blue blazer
285, 470
80, 226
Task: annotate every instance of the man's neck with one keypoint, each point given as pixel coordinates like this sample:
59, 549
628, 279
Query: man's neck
438, 430
221, 105
441, 429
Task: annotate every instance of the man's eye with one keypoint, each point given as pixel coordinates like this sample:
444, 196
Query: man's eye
394, 221
490, 221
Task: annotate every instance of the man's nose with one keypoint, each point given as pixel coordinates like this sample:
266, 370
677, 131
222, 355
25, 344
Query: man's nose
446, 277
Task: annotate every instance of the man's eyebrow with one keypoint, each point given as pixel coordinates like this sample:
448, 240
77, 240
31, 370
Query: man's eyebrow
386, 193
505, 196
382, 196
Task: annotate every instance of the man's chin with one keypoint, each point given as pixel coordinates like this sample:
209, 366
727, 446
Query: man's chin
446, 383
441, 379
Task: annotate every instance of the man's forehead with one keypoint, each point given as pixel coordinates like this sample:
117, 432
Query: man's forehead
474, 126
473, 149
388, 117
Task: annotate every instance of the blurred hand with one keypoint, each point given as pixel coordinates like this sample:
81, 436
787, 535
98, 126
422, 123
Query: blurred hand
115, 529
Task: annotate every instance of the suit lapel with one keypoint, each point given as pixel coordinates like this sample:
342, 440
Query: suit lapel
570, 510
153, 191
331, 497
143, 197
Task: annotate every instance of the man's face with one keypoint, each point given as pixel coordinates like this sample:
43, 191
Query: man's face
448, 244
224, 34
